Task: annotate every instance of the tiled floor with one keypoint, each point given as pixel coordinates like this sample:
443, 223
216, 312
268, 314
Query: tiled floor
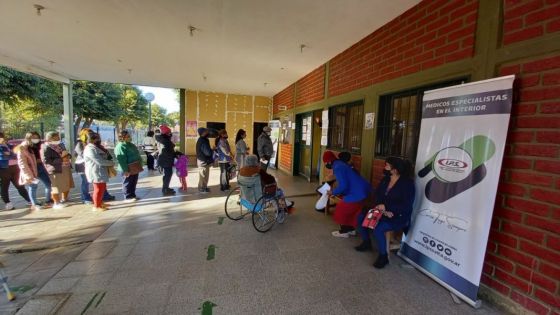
152, 259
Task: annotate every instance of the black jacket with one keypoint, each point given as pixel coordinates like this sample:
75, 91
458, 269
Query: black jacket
204, 153
166, 156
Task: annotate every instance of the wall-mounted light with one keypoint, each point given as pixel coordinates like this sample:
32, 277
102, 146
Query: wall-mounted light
129, 71
204, 77
301, 47
192, 29
39, 8
266, 84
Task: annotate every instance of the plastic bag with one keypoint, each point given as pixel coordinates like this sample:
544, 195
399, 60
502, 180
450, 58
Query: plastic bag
324, 199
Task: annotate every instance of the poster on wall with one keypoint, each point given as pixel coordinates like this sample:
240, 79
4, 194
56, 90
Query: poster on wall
275, 125
369, 121
462, 139
191, 130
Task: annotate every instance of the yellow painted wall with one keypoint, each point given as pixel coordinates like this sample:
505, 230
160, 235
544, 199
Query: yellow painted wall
237, 111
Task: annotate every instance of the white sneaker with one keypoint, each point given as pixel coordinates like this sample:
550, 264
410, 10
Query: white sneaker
352, 233
58, 206
129, 200
338, 234
10, 206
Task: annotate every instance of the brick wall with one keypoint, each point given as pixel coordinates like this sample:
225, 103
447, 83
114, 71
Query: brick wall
311, 88
523, 253
428, 35
526, 19
284, 98
285, 162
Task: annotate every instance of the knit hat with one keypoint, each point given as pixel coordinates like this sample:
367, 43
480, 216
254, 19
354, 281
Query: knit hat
328, 157
201, 130
165, 130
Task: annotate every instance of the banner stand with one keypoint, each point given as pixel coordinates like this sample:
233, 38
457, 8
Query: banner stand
454, 293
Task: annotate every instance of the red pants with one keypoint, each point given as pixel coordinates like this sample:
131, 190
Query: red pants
98, 191
346, 213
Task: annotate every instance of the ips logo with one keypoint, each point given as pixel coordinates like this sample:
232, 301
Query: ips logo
452, 163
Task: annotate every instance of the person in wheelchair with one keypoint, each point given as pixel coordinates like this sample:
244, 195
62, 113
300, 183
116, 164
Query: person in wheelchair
252, 172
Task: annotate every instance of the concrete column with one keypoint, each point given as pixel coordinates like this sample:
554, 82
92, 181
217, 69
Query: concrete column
68, 115
182, 119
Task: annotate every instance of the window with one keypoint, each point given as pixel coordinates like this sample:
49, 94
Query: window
346, 126
398, 128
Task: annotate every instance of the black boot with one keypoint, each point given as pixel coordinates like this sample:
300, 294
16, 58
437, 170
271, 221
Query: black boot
364, 246
381, 261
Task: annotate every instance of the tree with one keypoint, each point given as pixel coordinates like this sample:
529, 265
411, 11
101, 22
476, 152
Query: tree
96, 100
133, 107
159, 115
38, 94
174, 117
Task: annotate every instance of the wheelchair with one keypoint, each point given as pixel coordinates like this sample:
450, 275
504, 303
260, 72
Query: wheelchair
266, 211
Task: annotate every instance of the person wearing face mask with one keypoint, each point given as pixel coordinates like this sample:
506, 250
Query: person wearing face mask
97, 163
241, 148
79, 164
129, 163
204, 159
394, 198
265, 149
166, 158
353, 189
9, 173
33, 144
57, 161
29, 162
224, 158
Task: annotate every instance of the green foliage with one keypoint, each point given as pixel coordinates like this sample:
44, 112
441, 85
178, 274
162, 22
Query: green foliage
174, 117
41, 95
96, 100
133, 107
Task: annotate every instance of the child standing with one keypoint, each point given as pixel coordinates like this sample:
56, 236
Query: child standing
182, 168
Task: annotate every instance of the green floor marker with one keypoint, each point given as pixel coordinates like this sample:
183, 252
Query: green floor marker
22, 289
211, 253
220, 220
100, 299
89, 303
207, 307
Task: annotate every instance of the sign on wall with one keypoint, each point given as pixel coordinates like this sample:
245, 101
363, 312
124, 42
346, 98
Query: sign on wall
191, 130
274, 136
462, 139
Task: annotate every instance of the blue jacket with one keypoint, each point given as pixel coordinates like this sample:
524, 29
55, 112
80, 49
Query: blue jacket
352, 186
6, 154
398, 200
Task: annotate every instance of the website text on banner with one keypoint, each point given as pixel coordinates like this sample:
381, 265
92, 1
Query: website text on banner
462, 138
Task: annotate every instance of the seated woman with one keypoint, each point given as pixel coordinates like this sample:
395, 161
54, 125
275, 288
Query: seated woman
251, 169
394, 197
353, 189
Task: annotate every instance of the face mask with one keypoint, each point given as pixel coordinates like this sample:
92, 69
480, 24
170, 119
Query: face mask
55, 142
267, 133
386, 172
35, 141
329, 166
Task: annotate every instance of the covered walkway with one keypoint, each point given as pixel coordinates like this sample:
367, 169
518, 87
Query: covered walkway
184, 257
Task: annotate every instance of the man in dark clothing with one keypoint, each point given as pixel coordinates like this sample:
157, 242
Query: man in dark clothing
204, 159
265, 148
166, 158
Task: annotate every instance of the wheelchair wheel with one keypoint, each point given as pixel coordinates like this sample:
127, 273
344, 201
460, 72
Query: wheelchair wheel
265, 214
234, 209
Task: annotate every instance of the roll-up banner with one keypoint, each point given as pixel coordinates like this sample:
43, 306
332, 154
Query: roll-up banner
276, 126
462, 138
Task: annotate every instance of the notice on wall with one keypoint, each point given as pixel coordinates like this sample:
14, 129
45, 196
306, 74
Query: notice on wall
462, 140
369, 122
275, 125
191, 130
309, 130
325, 128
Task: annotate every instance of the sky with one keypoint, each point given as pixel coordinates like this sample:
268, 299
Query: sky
166, 98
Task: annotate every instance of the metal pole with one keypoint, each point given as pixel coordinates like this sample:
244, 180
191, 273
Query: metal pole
149, 116
68, 113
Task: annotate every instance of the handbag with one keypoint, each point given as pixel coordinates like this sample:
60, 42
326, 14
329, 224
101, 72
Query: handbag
372, 218
112, 171
135, 168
